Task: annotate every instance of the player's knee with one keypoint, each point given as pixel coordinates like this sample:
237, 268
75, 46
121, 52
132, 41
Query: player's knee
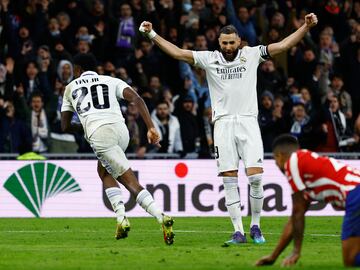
254, 170
229, 174
256, 187
230, 183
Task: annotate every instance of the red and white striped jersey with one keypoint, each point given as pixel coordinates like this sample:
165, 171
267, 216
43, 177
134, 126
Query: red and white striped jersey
322, 178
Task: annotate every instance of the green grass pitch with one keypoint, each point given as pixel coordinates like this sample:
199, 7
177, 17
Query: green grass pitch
89, 244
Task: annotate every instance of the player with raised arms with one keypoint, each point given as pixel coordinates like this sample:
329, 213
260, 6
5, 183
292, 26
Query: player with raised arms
316, 178
95, 98
232, 75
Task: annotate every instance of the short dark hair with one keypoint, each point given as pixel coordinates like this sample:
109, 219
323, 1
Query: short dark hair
162, 101
285, 143
36, 94
229, 29
86, 61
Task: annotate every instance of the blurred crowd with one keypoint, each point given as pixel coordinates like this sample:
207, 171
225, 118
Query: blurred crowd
312, 92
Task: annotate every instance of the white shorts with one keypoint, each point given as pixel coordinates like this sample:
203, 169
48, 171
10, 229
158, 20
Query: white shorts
109, 143
235, 138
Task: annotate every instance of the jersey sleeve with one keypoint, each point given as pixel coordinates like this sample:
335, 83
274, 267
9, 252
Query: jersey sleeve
262, 52
201, 58
66, 102
293, 174
120, 86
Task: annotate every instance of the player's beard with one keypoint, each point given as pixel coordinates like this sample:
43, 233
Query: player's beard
229, 56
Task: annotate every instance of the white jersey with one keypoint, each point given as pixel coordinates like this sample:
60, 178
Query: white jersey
95, 98
232, 85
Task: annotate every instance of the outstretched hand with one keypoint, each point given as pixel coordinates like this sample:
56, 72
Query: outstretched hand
291, 260
267, 260
153, 137
311, 20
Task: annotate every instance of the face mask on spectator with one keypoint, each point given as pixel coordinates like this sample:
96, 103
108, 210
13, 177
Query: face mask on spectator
87, 38
55, 33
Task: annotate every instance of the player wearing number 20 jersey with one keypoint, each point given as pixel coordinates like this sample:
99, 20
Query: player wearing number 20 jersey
96, 100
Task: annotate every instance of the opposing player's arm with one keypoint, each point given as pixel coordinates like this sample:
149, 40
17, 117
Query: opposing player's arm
284, 241
291, 40
131, 96
66, 125
166, 46
300, 206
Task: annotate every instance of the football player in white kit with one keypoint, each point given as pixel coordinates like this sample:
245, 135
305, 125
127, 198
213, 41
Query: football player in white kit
232, 76
95, 98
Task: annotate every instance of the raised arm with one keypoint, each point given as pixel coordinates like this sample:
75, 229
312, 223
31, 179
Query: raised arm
291, 40
166, 46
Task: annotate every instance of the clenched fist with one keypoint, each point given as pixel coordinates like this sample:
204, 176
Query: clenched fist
311, 20
147, 29
153, 137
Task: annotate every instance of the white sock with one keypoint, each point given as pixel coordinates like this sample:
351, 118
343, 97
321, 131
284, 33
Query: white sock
256, 198
146, 201
115, 198
232, 200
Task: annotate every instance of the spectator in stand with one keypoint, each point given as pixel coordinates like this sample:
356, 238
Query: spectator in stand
83, 46
334, 126
39, 124
15, 136
137, 131
59, 142
36, 80
304, 70
211, 38
147, 57
269, 78
169, 129
242, 22
66, 31
52, 34
155, 89
7, 79
65, 72
189, 127
271, 120
303, 127
337, 89
218, 17
124, 35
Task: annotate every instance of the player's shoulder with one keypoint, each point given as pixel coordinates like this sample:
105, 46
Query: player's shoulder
305, 154
253, 49
211, 56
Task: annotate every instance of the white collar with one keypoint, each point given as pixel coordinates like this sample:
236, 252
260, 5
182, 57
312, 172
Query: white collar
91, 73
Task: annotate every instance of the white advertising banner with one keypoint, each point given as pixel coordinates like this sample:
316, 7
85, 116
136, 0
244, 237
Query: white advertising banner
72, 188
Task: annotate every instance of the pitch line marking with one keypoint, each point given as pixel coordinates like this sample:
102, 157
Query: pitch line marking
150, 231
